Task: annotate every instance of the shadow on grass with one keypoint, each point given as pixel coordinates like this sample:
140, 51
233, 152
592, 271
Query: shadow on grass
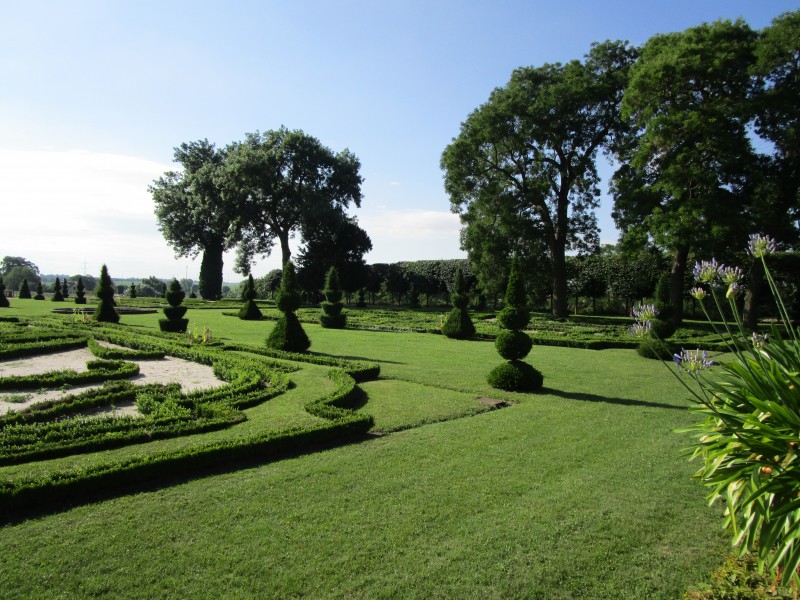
37, 505
361, 358
583, 397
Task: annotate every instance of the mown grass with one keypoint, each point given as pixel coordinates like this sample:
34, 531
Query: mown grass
579, 491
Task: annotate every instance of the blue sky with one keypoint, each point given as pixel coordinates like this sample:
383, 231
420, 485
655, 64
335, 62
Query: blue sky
94, 95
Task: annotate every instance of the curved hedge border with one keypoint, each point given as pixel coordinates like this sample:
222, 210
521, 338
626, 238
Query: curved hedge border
245, 390
97, 371
123, 353
34, 348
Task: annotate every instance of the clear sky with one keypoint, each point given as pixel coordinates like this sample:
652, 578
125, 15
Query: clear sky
94, 96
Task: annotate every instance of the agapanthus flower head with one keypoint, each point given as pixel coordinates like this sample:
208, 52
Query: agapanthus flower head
698, 293
641, 329
644, 312
759, 340
761, 245
730, 275
692, 361
706, 271
733, 289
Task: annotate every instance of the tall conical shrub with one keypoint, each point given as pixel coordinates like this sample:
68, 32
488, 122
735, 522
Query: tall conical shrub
288, 334
132, 291
105, 311
4, 303
39, 292
25, 290
57, 296
65, 289
250, 310
458, 324
332, 316
512, 343
80, 295
175, 322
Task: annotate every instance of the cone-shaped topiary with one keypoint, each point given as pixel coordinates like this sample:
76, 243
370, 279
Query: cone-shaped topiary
80, 295
4, 303
39, 292
24, 290
132, 291
57, 296
250, 310
105, 311
332, 316
175, 322
288, 334
65, 289
458, 324
513, 344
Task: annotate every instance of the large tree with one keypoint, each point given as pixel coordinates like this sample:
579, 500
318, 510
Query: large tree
193, 213
529, 152
282, 181
683, 171
774, 207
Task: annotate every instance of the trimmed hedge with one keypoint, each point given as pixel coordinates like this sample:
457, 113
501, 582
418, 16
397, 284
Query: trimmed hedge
97, 371
515, 376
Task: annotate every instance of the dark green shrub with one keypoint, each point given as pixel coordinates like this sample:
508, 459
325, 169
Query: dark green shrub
65, 289
4, 303
132, 291
288, 334
249, 310
24, 290
57, 296
361, 302
514, 317
80, 295
513, 344
105, 311
662, 329
332, 317
174, 322
515, 376
39, 292
458, 324
654, 349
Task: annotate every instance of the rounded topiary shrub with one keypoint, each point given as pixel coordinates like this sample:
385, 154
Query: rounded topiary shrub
24, 290
288, 334
249, 310
80, 294
105, 311
332, 316
514, 317
515, 376
174, 323
57, 295
513, 344
132, 291
458, 324
39, 292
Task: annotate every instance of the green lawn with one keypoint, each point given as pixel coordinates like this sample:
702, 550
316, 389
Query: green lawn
579, 491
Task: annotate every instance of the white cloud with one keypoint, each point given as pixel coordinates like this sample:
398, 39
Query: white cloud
394, 184
412, 234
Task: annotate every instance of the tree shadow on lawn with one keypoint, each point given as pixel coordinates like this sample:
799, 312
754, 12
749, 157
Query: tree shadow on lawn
361, 358
583, 397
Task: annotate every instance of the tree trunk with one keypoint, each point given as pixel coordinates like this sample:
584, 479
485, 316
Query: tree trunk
211, 271
755, 283
676, 283
560, 292
286, 254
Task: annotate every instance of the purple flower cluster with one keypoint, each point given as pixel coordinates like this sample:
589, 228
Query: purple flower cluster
692, 361
761, 245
